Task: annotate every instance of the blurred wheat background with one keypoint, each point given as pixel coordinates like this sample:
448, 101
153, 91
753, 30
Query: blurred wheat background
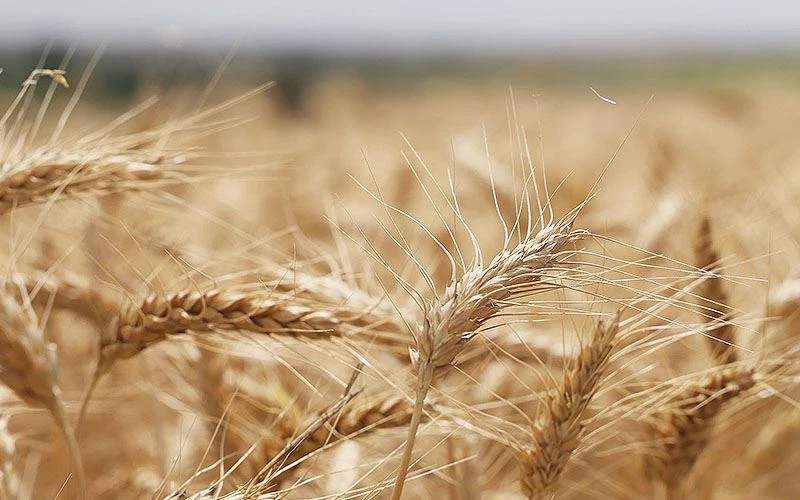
380, 272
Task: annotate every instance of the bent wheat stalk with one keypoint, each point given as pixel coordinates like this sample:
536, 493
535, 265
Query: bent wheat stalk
140, 325
55, 174
556, 437
28, 366
468, 303
375, 413
384, 412
161, 315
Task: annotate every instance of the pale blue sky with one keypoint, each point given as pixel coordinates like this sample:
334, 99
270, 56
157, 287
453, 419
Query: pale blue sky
413, 25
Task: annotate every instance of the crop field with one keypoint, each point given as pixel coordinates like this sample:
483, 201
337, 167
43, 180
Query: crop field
418, 287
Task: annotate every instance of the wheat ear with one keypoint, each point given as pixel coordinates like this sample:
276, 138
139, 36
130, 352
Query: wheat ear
557, 435
153, 320
161, 315
714, 299
28, 366
376, 413
479, 295
683, 430
48, 173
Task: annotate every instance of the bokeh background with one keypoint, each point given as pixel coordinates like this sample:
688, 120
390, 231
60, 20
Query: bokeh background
399, 45
671, 114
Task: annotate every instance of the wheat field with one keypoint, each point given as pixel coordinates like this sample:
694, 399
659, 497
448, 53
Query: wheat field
474, 290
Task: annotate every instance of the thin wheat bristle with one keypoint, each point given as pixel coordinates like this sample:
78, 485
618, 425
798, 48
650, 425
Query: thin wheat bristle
684, 428
713, 298
557, 434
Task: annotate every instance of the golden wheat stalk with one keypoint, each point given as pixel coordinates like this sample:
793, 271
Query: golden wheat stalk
376, 413
98, 163
713, 298
161, 315
557, 434
265, 479
384, 412
468, 303
51, 174
681, 431
29, 367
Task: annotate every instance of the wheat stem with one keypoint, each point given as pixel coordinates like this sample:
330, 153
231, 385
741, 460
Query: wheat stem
424, 380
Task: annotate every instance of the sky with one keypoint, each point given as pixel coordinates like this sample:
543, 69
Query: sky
413, 26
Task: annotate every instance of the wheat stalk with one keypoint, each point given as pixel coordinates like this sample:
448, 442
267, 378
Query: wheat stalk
556, 436
287, 420
713, 299
683, 429
98, 163
468, 303
50, 174
385, 412
29, 367
161, 315
377, 412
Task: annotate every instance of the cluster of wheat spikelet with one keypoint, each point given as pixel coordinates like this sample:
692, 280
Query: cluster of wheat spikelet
171, 330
